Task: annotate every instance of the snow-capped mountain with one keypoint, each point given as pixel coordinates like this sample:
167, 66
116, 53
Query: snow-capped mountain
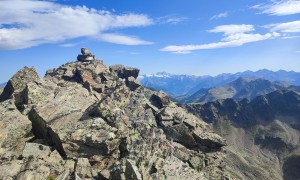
177, 85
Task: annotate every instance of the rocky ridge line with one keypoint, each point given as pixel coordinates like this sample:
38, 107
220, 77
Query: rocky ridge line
261, 133
84, 120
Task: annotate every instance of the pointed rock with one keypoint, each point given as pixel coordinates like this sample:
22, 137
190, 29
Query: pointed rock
124, 72
18, 83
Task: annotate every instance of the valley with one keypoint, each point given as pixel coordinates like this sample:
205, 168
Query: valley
260, 121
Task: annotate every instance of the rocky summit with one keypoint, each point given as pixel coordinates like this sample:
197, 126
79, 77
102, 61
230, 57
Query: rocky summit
85, 120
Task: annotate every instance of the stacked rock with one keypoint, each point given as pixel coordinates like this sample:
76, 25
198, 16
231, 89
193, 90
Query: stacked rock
86, 56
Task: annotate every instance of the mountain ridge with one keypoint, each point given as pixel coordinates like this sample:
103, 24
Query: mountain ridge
85, 120
177, 85
261, 133
238, 89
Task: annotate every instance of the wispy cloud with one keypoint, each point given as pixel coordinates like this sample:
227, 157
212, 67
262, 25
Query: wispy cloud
286, 36
218, 16
69, 44
280, 8
298, 51
234, 35
171, 19
182, 52
27, 23
233, 29
121, 39
287, 27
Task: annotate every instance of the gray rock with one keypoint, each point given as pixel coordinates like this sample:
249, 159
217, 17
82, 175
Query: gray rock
132, 171
160, 99
18, 83
86, 56
14, 130
83, 168
85, 51
133, 83
10, 169
113, 128
33, 149
124, 72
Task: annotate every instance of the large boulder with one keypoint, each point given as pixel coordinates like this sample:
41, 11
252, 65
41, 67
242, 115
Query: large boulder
160, 99
124, 72
14, 130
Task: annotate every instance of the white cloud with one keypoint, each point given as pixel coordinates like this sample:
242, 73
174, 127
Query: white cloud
280, 8
171, 19
182, 52
68, 45
27, 23
121, 39
298, 51
234, 35
233, 29
218, 16
285, 36
288, 27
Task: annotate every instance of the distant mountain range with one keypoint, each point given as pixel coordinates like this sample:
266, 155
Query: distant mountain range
256, 112
263, 132
178, 85
238, 89
174, 85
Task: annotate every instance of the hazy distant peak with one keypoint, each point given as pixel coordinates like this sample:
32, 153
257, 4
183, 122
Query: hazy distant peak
178, 85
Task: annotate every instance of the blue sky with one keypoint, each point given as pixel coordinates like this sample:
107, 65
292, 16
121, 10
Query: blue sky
206, 37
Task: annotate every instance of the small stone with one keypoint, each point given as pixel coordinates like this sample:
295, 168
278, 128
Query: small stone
85, 51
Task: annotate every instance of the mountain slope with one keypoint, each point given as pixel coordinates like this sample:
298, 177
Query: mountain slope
84, 120
263, 134
178, 85
239, 89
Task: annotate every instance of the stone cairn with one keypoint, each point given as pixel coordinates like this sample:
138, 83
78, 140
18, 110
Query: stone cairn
85, 56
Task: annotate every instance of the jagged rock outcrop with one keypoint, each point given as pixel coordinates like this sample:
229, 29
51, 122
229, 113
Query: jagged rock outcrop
84, 120
17, 84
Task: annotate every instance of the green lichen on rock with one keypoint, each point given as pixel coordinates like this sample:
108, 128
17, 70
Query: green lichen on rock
91, 122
